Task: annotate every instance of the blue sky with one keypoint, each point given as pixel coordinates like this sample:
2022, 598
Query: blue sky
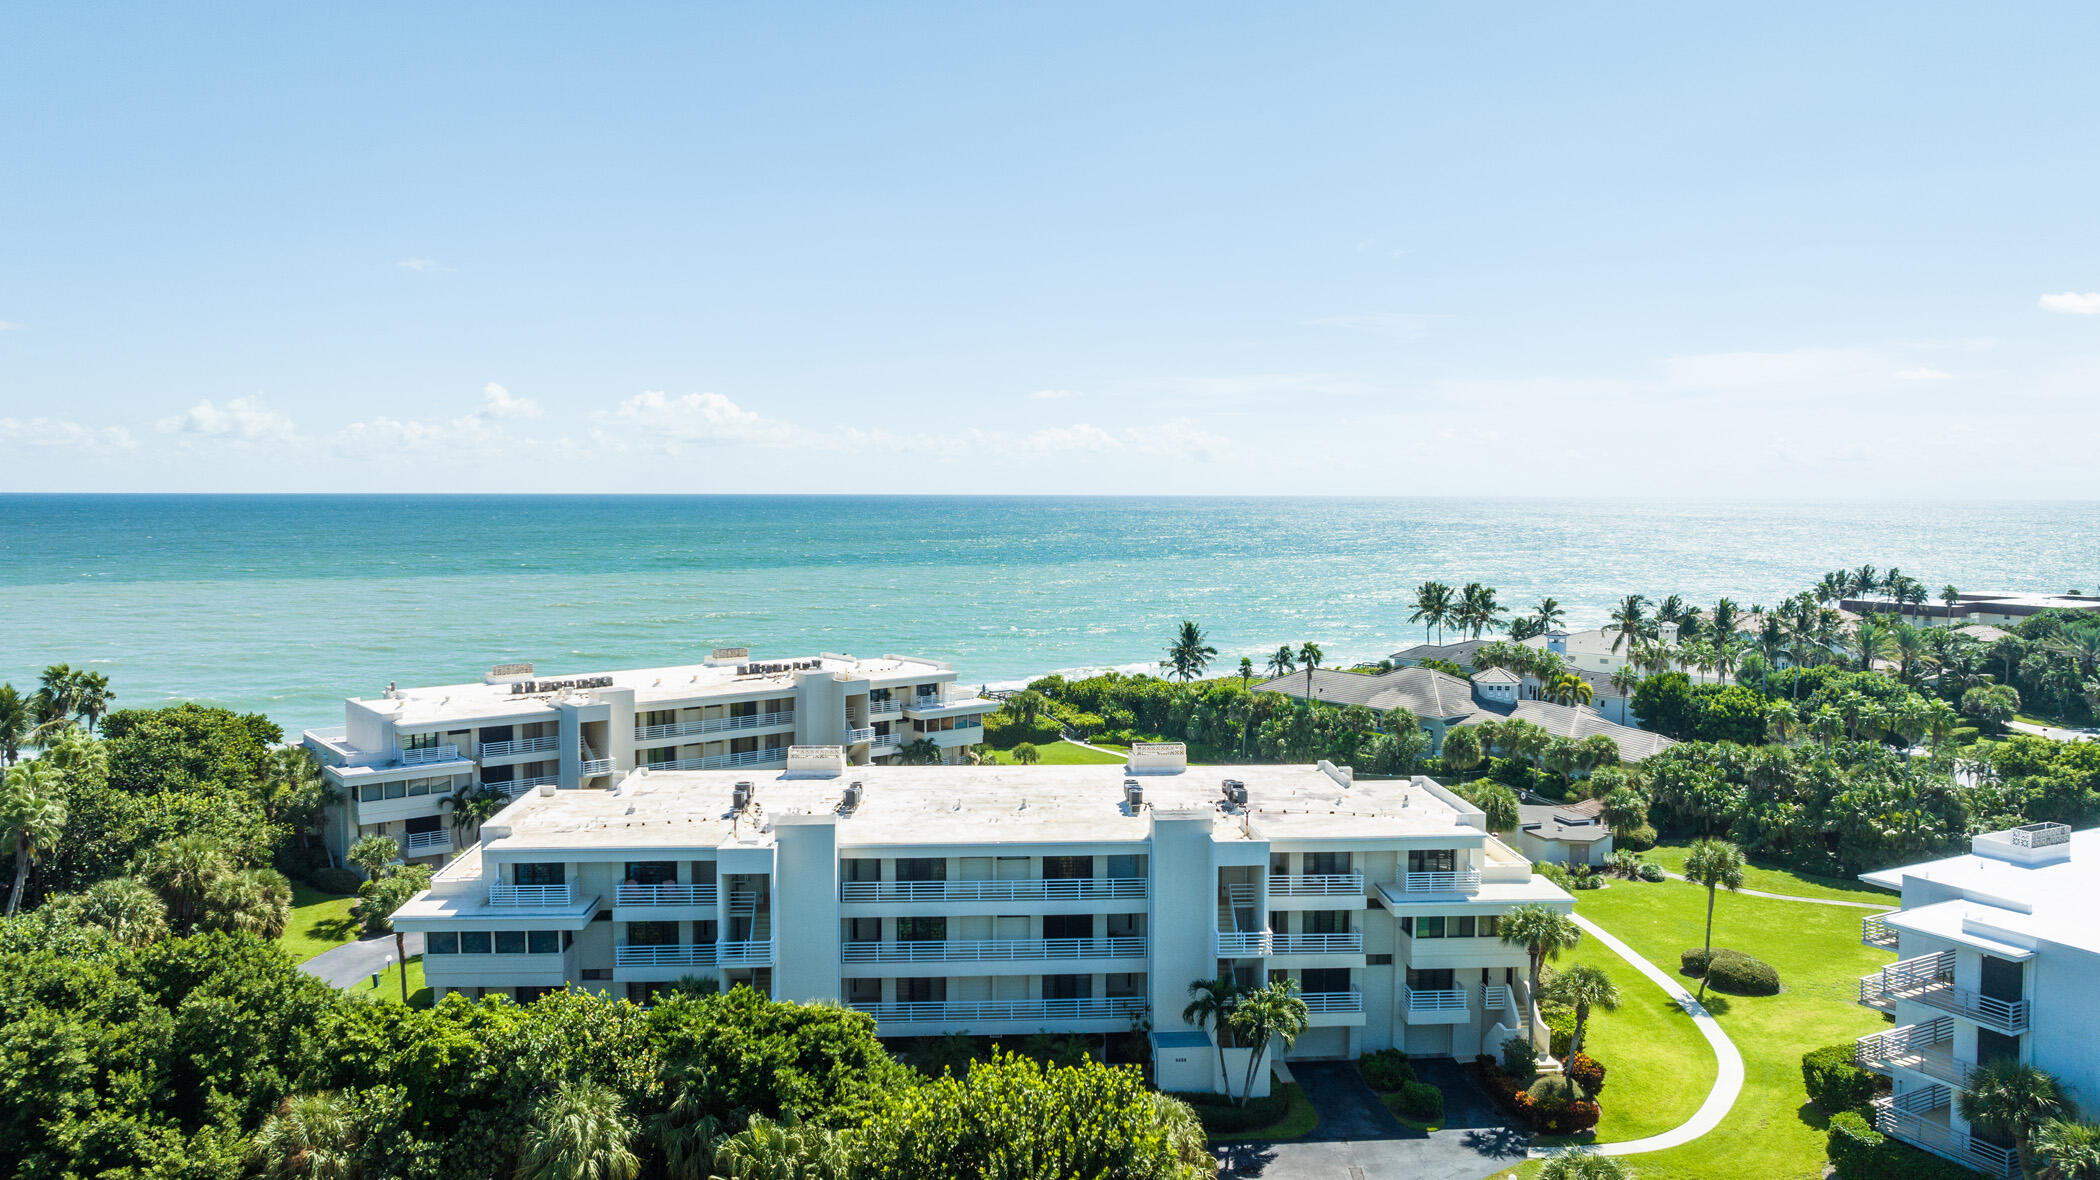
1762, 251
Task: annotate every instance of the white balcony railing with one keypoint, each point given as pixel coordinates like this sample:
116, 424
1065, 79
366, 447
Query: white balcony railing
1317, 885
1497, 997
1351, 1001
776, 756
1926, 1049
885, 741
650, 733
1874, 931
1428, 1000
1245, 944
1929, 980
534, 745
1911, 1118
985, 950
1457, 881
519, 786
746, 954
877, 710
855, 737
1345, 942
684, 954
424, 842
531, 895
428, 754
668, 894
952, 1011
595, 766
1053, 889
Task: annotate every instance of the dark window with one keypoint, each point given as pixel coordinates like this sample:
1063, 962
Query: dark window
427, 823
1068, 926
1378, 960
1429, 981
1993, 1047
1122, 868
652, 872
652, 934
862, 868
441, 942
544, 942
542, 873
1325, 979
473, 942
743, 709
1317, 863
1490, 927
2002, 979
1058, 868
921, 991
1068, 987
921, 868
498, 774
510, 942
1431, 860
1429, 928
922, 929
659, 755
1326, 922
495, 733
1461, 927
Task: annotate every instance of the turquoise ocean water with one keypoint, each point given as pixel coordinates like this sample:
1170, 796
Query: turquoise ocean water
286, 604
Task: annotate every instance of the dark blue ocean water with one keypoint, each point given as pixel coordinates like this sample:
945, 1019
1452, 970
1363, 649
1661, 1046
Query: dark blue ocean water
287, 604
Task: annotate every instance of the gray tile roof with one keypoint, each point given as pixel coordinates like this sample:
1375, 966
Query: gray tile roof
1578, 722
1569, 823
1460, 653
1497, 676
1424, 692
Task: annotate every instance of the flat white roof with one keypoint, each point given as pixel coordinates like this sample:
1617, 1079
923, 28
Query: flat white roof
412, 708
907, 806
2004, 901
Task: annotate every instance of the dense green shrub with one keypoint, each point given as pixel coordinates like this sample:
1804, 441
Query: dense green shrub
1738, 974
1520, 1058
1386, 1069
1834, 1082
1639, 838
1651, 872
340, 881
1554, 1105
1221, 1117
1693, 962
1859, 1152
1004, 731
1586, 1072
1422, 1102
1560, 1022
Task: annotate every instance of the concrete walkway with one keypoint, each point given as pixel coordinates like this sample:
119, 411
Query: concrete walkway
356, 962
1858, 905
1728, 1084
1358, 1139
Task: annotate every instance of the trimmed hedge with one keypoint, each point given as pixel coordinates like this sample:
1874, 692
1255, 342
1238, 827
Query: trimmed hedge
1859, 1152
1221, 1117
1731, 971
1834, 1083
1422, 1102
343, 881
1386, 1069
1001, 730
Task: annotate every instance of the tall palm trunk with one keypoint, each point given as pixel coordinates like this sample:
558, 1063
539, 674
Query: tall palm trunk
1708, 969
14, 897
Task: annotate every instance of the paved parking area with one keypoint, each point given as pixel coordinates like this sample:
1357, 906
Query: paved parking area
1358, 1139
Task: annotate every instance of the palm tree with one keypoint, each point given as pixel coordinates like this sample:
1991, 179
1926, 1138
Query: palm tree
1498, 805
579, 1132
2072, 1149
184, 867
1673, 609
1871, 641
57, 699
91, 697
1570, 689
788, 1150
1477, 609
1581, 1163
1309, 658
1715, 864
1630, 619
2013, 1099
1188, 655
252, 901
1270, 1013
1781, 722
1543, 933
1433, 603
14, 724
1949, 595
1027, 705
921, 752
1865, 581
686, 1132
1912, 650
32, 817
310, 1137
373, 854
1210, 1008
1026, 754
1282, 662
1548, 614
473, 806
1246, 671
1625, 679
126, 907
1462, 750
1583, 986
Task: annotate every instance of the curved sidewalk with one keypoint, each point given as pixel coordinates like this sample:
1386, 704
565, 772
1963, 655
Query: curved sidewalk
1728, 1082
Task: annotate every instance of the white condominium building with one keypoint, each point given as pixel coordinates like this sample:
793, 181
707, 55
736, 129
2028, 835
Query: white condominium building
1005, 900
400, 755
1997, 958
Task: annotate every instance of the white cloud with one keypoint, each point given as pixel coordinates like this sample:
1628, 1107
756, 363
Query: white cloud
1047, 395
497, 402
11, 326
653, 418
64, 434
242, 420
1922, 373
1179, 438
1392, 325
421, 264
2071, 303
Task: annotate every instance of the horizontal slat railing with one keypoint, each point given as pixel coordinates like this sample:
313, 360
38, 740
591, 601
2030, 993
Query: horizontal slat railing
970, 950
746, 954
429, 754
1048, 889
691, 954
1316, 885
1338, 943
531, 895
1244, 944
1458, 881
946, 1011
426, 841
1351, 1001
1876, 932
520, 746
1451, 999
772, 757
646, 733
666, 894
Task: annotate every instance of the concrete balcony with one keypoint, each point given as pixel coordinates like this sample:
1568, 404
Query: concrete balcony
1345, 942
1027, 1014
988, 950
679, 729
532, 896
426, 843
1333, 1009
430, 754
1929, 980
1434, 1006
1046, 889
885, 743
538, 745
1455, 881
664, 895
1244, 944
856, 737
746, 954
878, 710
519, 786
687, 954
596, 766
1875, 931
776, 756
1317, 885
1924, 1049
1921, 1118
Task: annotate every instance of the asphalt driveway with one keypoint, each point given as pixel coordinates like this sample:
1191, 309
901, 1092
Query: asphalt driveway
1358, 1139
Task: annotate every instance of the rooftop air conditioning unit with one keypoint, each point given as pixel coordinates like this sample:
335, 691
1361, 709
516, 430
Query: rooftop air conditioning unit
742, 798
852, 795
1133, 793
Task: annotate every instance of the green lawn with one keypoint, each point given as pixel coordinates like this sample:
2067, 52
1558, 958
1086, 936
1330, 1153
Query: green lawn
1064, 754
1770, 1133
390, 985
1776, 880
1657, 1066
320, 922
